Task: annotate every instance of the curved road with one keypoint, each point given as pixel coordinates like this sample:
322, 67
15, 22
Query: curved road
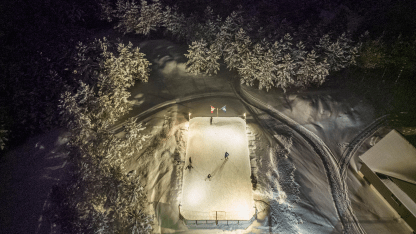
356, 143
335, 170
339, 190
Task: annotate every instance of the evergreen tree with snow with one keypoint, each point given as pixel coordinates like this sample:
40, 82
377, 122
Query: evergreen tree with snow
202, 60
174, 22
267, 75
100, 196
312, 71
237, 50
248, 69
150, 17
285, 72
211, 26
141, 19
340, 53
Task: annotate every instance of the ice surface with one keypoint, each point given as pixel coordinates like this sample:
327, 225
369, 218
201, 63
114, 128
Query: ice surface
227, 195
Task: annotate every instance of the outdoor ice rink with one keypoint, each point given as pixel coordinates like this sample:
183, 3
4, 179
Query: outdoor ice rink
228, 194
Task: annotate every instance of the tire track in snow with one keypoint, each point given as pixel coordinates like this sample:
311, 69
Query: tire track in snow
119, 127
356, 143
279, 173
338, 188
339, 191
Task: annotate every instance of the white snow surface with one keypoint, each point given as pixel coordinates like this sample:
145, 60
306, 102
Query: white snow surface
227, 195
27, 173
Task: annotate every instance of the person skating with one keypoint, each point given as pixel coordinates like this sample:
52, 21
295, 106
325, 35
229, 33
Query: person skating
209, 177
226, 155
189, 165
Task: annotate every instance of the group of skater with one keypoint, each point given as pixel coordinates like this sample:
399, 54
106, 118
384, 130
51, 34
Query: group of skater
209, 175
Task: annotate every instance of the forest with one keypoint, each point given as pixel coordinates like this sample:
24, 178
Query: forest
55, 72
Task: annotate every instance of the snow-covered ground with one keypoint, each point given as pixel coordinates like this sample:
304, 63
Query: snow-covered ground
291, 190
227, 194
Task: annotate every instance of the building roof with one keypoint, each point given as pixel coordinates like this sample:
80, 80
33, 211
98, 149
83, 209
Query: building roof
393, 156
403, 197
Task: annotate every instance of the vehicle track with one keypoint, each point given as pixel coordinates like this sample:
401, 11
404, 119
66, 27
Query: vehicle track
339, 190
356, 143
119, 127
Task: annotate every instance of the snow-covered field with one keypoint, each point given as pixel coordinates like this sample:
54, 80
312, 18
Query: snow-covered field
227, 194
292, 193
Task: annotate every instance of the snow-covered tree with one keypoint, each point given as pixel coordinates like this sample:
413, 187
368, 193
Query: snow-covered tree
340, 53
202, 60
247, 69
237, 50
100, 196
211, 26
312, 71
285, 72
141, 18
150, 17
267, 75
174, 22
109, 77
127, 12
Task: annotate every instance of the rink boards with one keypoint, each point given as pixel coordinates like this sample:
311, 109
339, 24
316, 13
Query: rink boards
227, 195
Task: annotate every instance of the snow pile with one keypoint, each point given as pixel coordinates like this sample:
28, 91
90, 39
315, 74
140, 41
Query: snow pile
336, 117
276, 191
160, 165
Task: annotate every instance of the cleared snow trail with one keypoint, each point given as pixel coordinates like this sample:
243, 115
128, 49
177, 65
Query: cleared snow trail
355, 144
338, 189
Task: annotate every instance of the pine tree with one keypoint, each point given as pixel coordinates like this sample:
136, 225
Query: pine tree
237, 50
128, 13
285, 72
150, 17
267, 76
198, 53
100, 197
174, 22
277, 52
339, 54
247, 70
107, 11
201, 59
212, 65
312, 71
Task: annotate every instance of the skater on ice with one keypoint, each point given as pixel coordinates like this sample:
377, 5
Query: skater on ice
189, 165
226, 155
209, 177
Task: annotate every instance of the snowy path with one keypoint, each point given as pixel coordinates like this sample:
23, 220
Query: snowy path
338, 189
331, 164
227, 195
119, 127
355, 144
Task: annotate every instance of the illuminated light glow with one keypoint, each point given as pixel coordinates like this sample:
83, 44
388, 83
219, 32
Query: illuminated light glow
229, 190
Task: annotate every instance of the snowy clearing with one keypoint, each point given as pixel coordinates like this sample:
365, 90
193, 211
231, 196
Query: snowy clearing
227, 195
